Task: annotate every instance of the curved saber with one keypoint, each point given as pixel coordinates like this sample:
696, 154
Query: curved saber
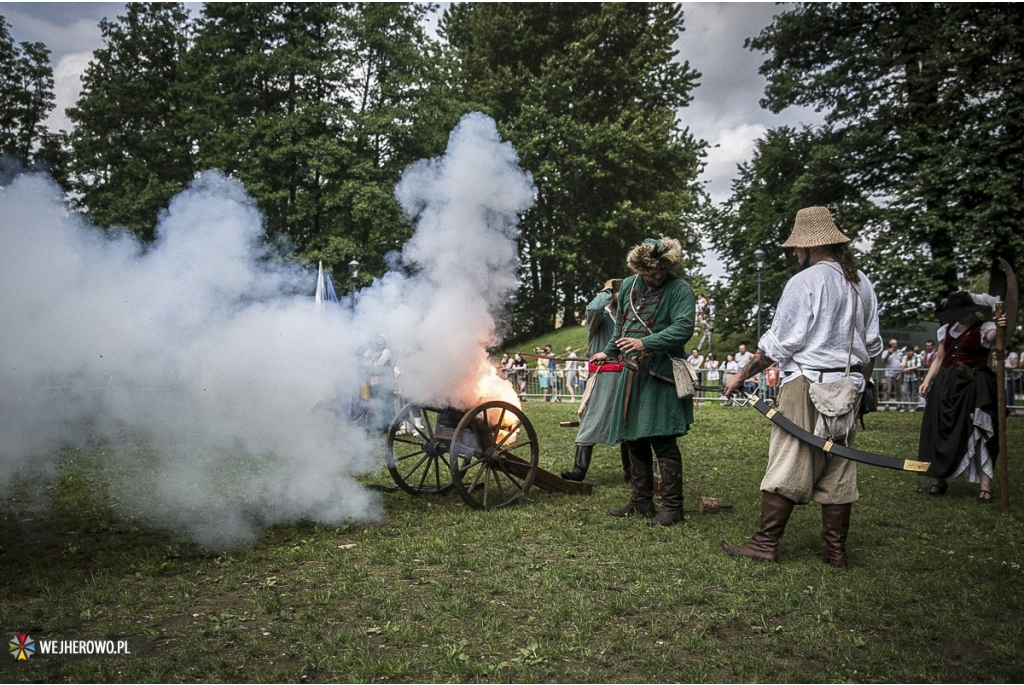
830, 447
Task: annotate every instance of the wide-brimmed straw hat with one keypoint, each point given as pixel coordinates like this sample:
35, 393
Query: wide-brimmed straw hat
963, 303
654, 252
813, 228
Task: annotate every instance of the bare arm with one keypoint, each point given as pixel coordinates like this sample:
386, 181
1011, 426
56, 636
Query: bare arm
1000, 322
932, 370
758, 363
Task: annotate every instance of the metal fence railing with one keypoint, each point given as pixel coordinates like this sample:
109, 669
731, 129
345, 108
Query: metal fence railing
894, 394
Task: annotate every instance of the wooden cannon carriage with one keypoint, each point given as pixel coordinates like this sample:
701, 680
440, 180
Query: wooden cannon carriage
487, 454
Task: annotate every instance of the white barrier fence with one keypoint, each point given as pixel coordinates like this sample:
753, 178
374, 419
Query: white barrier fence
894, 394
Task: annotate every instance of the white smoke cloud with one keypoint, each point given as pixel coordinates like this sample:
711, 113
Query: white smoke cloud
197, 348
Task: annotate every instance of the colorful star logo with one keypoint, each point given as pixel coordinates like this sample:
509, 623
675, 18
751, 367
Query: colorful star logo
23, 647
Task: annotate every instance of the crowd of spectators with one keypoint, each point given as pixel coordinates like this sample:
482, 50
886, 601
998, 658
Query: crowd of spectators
901, 370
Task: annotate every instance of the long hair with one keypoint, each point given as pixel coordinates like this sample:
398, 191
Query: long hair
844, 258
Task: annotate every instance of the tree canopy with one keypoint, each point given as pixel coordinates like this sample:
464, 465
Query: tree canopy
588, 94
317, 108
923, 105
26, 91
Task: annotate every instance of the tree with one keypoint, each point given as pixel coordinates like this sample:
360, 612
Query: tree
400, 112
130, 152
790, 169
317, 109
587, 94
926, 102
265, 107
26, 96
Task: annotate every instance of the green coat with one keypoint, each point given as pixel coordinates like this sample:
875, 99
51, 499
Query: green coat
669, 312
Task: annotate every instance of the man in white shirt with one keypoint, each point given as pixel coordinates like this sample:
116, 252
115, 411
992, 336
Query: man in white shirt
810, 340
1013, 375
743, 357
891, 358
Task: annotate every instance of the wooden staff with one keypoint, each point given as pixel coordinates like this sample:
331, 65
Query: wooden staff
1009, 306
1004, 491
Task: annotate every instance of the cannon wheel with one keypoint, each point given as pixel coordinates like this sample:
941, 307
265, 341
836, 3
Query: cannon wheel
416, 454
493, 466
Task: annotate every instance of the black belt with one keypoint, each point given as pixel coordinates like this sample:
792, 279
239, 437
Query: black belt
841, 369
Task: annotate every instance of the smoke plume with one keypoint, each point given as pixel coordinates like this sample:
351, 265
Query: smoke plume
220, 396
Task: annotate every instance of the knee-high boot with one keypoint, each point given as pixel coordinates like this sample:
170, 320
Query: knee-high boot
671, 493
581, 465
764, 544
624, 453
835, 524
641, 500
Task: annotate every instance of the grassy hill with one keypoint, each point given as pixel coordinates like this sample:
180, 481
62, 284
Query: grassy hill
559, 339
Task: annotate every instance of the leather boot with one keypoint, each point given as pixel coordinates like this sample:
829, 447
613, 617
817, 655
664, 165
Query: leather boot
764, 544
835, 524
641, 501
581, 465
624, 453
671, 493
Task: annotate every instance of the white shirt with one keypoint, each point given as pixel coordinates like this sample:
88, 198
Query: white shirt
811, 327
947, 329
892, 360
1011, 359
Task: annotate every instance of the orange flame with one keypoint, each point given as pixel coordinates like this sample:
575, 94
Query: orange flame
490, 385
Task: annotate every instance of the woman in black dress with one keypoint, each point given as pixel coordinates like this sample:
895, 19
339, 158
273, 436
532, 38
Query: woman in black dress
958, 430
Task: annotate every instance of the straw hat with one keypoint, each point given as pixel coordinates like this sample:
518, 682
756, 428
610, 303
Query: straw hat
813, 228
962, 303
652, 253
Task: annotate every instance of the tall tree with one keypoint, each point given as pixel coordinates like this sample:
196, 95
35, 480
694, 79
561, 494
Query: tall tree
928, 98
790, 169
587, 94
26, 96
316, 107
400, 111
129, 150
265, 105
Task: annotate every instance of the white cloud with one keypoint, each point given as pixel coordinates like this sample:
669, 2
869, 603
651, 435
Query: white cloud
729, 148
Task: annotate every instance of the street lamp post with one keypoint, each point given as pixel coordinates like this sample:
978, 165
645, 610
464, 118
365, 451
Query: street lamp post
711, 325
353, 273
759, 263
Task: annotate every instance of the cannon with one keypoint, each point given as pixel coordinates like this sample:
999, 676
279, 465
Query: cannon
487, 454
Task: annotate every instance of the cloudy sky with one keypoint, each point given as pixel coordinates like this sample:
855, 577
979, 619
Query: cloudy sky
725, 110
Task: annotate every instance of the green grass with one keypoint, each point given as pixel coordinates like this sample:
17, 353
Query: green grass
552, 590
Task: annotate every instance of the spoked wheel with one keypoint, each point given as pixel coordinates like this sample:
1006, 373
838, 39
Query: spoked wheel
494, 455
417, 449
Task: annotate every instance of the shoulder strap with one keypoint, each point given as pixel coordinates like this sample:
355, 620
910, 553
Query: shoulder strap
632, 287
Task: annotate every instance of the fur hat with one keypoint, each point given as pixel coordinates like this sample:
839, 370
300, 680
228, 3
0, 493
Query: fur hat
813, 228
652, 253
962, 303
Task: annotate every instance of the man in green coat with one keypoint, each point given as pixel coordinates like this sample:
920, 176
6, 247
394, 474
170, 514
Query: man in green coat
655, 321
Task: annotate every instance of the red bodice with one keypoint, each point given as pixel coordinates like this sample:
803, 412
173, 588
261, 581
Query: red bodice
966, 349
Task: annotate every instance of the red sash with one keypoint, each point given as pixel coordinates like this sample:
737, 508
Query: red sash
604, 367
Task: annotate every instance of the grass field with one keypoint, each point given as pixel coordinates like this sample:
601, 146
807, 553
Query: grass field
552, 590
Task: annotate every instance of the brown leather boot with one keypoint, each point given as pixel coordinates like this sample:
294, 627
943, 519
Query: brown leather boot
641, 501
671, 493
835, 524
764, 544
